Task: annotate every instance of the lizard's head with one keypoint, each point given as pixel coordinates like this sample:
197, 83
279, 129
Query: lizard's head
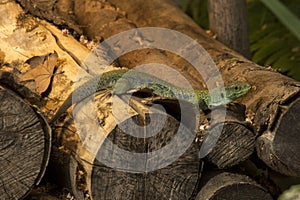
219, 96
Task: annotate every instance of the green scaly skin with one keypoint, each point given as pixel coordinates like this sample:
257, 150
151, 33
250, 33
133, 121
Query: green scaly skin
124, 80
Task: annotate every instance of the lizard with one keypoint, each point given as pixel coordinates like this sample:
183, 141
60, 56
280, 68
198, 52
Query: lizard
124, 80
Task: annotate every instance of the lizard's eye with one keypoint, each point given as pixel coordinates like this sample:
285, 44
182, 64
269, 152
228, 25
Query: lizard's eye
236, 88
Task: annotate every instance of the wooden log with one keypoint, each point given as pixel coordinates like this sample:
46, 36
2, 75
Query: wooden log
273, 181
272, 106
266, 101
25, 142
239, 152
104, 165
26, 148
225, 185
235, 138
236, 142
140, 57
81, 170
165, 163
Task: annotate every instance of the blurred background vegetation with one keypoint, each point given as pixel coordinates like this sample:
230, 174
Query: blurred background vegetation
274, 30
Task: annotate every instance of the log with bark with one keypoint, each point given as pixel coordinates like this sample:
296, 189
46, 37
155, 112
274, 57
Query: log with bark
25, 136
74, 159
272, 106
76, 151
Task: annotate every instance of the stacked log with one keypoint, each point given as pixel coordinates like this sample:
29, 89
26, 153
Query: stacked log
89, 163
274, 98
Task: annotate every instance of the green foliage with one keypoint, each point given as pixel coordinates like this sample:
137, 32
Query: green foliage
272, 44
197, 9
288, 18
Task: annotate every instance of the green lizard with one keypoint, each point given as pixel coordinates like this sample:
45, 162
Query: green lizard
124, 80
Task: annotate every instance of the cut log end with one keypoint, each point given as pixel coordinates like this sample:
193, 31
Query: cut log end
235, 144
163, 165
280, 148
230, 140
232, 186
24, 146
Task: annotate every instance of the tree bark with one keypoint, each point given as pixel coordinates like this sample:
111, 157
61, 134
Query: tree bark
228, 21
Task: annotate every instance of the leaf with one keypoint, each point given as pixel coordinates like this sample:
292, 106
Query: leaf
277, 55
288, 18
271, 42
269, 29
42, 68
266, 39
267, 50
283, 63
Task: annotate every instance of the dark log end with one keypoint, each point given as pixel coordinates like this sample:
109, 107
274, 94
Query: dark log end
163, 165
280, 148
235, 144
24, 146
231, 186
230, 140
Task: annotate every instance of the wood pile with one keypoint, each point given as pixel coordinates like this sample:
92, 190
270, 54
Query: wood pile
98, 152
